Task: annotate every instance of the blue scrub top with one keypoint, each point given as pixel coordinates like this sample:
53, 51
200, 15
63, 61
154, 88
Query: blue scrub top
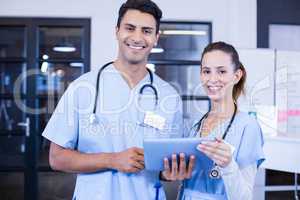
246, 136
120, 114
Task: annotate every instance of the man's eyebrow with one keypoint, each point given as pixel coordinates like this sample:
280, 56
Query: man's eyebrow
147, 27
131, 25
143, 27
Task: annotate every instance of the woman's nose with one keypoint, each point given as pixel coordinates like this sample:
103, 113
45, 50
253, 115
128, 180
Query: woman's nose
213, 77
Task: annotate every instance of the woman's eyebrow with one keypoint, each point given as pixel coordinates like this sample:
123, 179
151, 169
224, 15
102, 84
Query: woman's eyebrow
220, 67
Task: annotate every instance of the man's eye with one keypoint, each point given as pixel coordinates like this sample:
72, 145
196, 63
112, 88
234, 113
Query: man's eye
129, 28
147, 31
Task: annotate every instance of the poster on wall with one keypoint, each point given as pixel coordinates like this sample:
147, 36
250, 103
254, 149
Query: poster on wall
288, 92
259, 99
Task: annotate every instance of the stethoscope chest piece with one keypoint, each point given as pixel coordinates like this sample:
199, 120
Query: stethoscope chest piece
215, 172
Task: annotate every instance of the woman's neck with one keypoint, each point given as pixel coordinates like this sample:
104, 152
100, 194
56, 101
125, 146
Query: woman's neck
222, 109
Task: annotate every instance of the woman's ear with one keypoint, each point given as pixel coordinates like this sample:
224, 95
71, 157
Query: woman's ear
238, 75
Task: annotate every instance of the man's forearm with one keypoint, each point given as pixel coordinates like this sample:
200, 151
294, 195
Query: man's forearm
75, 162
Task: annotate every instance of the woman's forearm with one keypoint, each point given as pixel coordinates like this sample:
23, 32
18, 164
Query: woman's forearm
238, 182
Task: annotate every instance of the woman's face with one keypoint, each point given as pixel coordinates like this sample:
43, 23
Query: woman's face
218, 75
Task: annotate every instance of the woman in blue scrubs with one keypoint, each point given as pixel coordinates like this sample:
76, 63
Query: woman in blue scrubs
235, 138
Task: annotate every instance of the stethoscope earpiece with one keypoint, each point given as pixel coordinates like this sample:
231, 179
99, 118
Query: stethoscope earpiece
93, 119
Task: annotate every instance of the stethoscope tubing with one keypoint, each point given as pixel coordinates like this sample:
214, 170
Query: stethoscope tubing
93, 117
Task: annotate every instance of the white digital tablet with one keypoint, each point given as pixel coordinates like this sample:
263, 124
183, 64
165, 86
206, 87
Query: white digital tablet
155, 150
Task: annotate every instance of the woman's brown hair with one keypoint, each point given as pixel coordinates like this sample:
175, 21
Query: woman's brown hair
238, 88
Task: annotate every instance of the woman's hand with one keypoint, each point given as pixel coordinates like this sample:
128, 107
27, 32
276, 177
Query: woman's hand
218, 151
182, 172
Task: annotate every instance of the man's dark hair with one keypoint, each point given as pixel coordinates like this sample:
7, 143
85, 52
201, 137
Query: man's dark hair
145, 6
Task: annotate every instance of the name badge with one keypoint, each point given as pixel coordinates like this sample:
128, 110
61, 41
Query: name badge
154, 120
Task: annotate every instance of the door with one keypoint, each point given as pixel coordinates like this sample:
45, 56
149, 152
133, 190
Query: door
14, 121
39, 57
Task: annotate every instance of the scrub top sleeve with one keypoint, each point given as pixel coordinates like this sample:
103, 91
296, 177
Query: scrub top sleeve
251, 147
62, 128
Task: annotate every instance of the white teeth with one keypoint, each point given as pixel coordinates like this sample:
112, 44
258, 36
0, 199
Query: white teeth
214, 88
136, 47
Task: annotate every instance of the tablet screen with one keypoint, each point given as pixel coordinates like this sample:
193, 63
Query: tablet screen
155, 150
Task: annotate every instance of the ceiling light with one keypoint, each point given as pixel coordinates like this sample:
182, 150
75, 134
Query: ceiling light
64, 48
183, 32
76, 64
157, 50
45, 57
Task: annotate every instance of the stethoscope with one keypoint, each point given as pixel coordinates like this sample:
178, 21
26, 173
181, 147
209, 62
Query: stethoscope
93, 117
215, 172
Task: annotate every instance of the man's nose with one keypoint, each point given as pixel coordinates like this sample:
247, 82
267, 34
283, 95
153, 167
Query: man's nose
137, 36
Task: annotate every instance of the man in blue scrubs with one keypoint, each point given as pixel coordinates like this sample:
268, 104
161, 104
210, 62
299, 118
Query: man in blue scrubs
108, 156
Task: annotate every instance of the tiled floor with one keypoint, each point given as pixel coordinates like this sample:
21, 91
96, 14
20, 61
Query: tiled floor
52, 186
60, 186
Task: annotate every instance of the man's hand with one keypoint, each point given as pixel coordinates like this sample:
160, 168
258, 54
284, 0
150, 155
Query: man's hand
129, 161
183, 172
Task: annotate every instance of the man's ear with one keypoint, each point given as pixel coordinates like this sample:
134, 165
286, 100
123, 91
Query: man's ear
116, 31
157, 38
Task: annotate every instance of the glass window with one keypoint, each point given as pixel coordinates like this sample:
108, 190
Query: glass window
11, 112
12, 42
181, 41
284, 37
55, 77
12, 151
45, 55
60, 43
185, 79
176, 58
12, 75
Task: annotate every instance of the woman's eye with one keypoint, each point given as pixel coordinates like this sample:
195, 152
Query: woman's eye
222, 72
205, 72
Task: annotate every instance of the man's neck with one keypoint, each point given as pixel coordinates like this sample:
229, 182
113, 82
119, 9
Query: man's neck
131, 73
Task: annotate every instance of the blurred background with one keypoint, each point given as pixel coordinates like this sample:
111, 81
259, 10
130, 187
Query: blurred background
44, 45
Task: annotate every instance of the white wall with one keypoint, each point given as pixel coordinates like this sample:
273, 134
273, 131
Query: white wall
233, 21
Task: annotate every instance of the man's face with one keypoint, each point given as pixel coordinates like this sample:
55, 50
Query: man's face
136, 36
